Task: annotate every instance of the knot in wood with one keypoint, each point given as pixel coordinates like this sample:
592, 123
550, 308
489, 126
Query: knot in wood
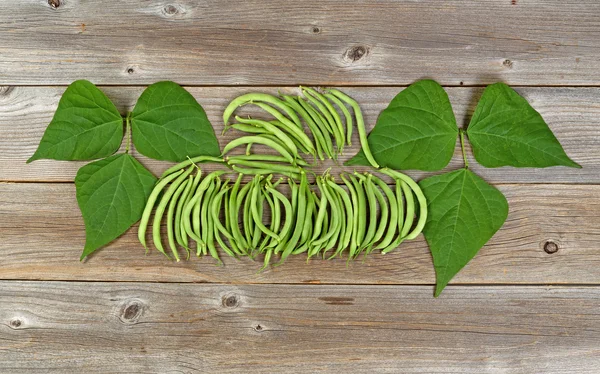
54, 4
170, 9
131, 311
550, 247
356, 53
258, 328
130, 70
315, 30
230, 301
507, 63
15, 323
5, 90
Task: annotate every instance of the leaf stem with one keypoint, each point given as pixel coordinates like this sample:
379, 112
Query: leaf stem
462, 147
128, 132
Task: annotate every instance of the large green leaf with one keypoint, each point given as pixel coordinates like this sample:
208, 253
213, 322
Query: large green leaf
506, 131
86, 126
464, 213
169, 124
111, 194
416, 131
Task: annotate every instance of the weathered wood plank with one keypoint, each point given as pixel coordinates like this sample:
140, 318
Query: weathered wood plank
185, 328
43, 235
572, 114
314, 42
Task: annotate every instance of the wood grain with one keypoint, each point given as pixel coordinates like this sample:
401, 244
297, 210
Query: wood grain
189, 328
43, 236
572, 114
391, 42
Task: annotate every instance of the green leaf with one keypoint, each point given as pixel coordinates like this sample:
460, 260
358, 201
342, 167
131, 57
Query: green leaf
168, 124
506, 131
416, 131
111, 194
464, 213
86, 126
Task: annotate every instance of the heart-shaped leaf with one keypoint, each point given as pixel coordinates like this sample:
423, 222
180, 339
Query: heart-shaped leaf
506, 131
464, 212
111, 194
168, 124
86, 126
416, 131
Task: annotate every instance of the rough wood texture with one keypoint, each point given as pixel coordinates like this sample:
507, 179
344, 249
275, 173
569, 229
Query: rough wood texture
572, 113
313, 42
160, 328
43, 235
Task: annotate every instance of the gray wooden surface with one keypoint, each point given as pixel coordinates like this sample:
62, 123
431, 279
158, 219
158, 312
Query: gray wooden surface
528, 303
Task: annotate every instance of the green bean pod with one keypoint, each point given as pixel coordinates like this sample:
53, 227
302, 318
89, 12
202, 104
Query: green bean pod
191, 161
254, 98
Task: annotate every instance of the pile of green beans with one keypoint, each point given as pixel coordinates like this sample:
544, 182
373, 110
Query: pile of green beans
329, 130
283, 217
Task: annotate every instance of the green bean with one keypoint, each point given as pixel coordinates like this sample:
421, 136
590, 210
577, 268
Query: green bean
190, 161
349, 214
274, 130
203, 216
338, 219
420, 198
294, 140
337, 121
308, 223
320, 122
265, 158
347, 115
234, 209
287, 206
274, 168
171, 223
410, 208
253, 98
218, 228
335, 213
180, 217
264, 172
292, 128
249, 128
393, 226
254, 208
400, 201
210, 225
301, 212
360, 125
312, 126
323, 201
248, 149
337, 134
160, 209
260, 140
161, 183
362, 211
372, 202
244, 199
352, 246
275, 215
383, 217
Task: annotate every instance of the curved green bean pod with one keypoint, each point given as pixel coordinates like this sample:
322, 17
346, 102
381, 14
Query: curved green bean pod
308, 223
244, 204
292, 128
420, 198
352, 246
274, 168
337, 121
295, 140
255, 98
247, 171
260, 140
203, 216
249, 128
337, 134
287, 207
190, 161
372, 203
410, 208
254, 208
301, 212
400, 201
341, 225
323, 201
393, 226
384, 222
349, 214
319, 121
171, 222
272, 129
150, 204
265, 158
210, 225
347, 115
234, 210
360, 125
310, 123
362, 211
335, 213
181, 218
218, 228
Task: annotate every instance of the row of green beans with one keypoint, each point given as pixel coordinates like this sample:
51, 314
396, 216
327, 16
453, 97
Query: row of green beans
330, 128
278, 218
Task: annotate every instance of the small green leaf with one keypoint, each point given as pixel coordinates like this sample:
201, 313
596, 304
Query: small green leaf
506, 131
416, 131
86, 126
111, 194
464, 213
168, 124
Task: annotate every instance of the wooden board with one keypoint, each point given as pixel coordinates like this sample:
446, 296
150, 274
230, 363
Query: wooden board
168, 328
473, 42
571, 113
43, 236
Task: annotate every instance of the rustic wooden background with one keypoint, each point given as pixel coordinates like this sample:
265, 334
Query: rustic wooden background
528, 303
